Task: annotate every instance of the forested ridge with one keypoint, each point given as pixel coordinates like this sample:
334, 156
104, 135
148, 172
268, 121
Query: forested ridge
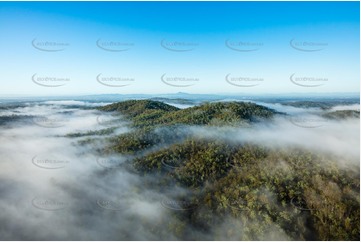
302, 194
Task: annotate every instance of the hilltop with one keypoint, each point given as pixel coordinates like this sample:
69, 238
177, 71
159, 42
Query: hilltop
157, 123
147, 113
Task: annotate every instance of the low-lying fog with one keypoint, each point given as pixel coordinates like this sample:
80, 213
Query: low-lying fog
53, 188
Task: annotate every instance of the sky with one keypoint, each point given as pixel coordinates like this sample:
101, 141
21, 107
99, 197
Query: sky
76, 48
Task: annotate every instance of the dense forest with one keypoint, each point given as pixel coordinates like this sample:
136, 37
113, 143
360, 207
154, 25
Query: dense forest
303, 194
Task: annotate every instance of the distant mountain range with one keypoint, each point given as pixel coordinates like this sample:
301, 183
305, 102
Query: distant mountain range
352, 97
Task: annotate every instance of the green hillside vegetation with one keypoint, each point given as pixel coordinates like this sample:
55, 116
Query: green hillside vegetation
265, 191
148, 113
133, 108
324, 105
342, 114
303, 194
107, 131
15, 119
157, 123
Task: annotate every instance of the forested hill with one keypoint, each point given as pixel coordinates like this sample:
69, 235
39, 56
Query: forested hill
268, 193
145, 113
342, 114
136, 107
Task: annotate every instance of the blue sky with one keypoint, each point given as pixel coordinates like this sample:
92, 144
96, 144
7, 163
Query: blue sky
168, 47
